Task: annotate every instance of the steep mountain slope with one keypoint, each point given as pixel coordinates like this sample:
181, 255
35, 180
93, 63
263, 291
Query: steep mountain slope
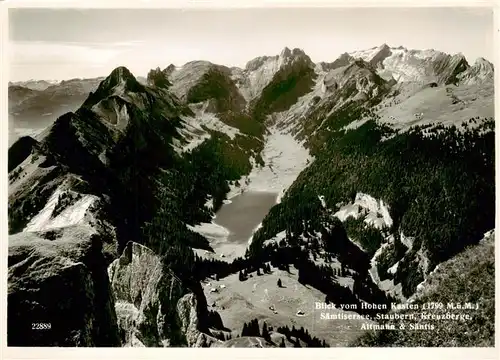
198, 81
73, 179
59, 294
153, 306
468, 280
109, 167
356, 84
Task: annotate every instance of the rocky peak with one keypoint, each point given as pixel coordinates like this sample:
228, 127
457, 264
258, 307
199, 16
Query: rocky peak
122, 126
343, 60
383, 47
447, 68
383, 52
286, 52
169, 69
287, 55
120, 82
119, 79
152, 304
414, 65
481, 71
356, 80
298, 52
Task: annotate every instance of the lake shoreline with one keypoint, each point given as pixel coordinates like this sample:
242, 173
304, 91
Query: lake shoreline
234, 224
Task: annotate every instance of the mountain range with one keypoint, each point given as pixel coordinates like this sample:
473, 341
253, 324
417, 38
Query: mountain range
382, 161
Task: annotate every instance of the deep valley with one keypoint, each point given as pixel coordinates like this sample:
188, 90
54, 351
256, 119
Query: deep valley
215, 206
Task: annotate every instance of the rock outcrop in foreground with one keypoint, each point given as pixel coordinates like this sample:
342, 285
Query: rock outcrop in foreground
58, 279
153, 306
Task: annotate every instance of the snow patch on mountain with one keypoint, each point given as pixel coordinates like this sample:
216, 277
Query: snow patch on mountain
393, 269
423, 66
347, 211
376, 212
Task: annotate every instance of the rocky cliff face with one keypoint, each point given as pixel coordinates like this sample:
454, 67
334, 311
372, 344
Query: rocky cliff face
153, 306
159, 78
260, 72
58, 279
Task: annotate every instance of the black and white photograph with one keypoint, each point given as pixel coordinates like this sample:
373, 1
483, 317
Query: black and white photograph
288, 177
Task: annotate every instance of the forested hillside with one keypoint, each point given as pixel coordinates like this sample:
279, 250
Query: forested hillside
438, 181
367, 195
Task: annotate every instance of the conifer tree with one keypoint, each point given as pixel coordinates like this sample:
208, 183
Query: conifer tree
255, 328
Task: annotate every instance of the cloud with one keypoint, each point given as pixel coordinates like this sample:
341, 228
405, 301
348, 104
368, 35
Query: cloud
62, 60
59, 60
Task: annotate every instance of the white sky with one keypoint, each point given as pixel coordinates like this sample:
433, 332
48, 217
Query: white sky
69, 43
